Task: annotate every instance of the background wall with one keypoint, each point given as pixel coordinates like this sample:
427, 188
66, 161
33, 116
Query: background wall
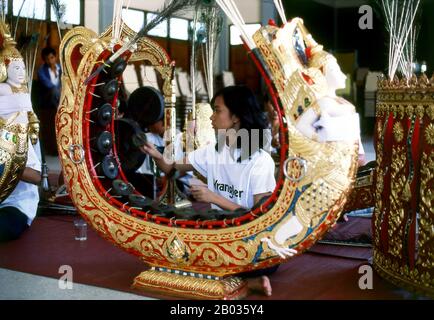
251, 9
336, 28
425, 48
98, 15
91, 14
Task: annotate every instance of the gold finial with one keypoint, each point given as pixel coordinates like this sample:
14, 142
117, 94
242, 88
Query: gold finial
33, 127
318, 58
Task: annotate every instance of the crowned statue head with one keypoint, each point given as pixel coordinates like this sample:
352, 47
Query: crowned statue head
328, 65
13, 76
12, 67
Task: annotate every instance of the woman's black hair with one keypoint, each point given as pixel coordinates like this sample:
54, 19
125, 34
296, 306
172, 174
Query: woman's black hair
266, 98
241, 102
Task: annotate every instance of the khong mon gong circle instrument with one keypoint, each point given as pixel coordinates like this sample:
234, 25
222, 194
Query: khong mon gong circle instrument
198, 258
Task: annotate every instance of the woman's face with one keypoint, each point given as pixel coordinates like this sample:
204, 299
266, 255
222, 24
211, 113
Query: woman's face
222, 118
273, 117
16, 73
334, 75
157, 128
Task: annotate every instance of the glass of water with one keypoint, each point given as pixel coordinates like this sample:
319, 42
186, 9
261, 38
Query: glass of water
80, 230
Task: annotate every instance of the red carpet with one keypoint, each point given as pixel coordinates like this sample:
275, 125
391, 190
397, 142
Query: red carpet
319, 274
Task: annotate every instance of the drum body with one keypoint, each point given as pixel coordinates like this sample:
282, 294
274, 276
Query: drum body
404, 216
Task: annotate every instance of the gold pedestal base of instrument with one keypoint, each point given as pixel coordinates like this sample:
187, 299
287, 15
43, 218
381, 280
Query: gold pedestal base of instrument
179, 203
173, 197
185, 285
419, 281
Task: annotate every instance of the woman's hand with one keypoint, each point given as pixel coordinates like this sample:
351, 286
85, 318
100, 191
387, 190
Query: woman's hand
166, 165
202, 194
150, 149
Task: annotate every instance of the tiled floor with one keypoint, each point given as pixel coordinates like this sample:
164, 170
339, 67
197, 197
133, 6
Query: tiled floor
24, 286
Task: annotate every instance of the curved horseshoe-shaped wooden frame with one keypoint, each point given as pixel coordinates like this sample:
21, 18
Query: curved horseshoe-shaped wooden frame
213, 248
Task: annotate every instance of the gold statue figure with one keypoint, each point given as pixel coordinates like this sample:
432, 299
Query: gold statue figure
17, 119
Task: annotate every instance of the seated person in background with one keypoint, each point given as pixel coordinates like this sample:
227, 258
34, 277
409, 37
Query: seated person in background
49, 75
239, 172
146, 106
19, 209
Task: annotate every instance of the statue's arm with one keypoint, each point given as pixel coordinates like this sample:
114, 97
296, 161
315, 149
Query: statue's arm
5, 89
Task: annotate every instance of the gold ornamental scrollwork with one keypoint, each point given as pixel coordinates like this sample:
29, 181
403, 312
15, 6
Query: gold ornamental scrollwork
176, 250
13, 153
420, 111
220, 251
396, 215
426, 236
430, 112
409, 110
398, 132
191, 287
429, 134
406, 256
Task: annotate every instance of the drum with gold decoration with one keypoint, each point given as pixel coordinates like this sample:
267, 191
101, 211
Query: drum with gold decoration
403, 220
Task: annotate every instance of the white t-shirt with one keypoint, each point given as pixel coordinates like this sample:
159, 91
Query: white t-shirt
237, 182
25, 196
54, 76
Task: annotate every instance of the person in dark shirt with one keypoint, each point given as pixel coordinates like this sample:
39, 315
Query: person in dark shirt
49, 75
